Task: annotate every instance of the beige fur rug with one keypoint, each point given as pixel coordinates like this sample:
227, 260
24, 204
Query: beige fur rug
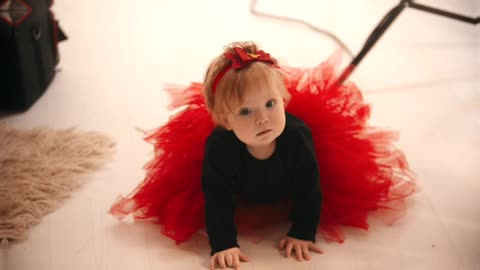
39, 168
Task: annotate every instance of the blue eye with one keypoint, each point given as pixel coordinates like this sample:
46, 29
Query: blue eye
270, 103
244, 111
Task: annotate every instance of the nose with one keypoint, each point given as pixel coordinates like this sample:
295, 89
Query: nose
261, 118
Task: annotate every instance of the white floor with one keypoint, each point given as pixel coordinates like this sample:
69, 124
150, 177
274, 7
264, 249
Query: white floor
422, 79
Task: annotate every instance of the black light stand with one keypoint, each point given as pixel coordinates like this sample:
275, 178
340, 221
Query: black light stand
387, 21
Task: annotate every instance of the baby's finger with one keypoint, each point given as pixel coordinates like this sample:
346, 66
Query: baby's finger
229, 259
298, 252
288, 252
236, 261
213, 261
221, 261
306, 253
243, 257
282, 244
315, 248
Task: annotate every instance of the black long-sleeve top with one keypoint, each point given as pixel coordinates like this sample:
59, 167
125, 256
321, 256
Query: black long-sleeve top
229, 171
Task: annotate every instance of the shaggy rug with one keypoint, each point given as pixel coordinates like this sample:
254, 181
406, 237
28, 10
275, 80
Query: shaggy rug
39, 168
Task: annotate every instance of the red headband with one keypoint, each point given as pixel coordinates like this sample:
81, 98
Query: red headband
239, 60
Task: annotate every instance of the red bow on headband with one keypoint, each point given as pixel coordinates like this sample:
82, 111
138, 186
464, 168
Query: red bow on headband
240, 60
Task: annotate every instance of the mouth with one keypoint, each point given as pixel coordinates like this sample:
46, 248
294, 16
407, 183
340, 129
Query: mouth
264, 132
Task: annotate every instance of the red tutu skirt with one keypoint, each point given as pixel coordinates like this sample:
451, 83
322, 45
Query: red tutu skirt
361, 170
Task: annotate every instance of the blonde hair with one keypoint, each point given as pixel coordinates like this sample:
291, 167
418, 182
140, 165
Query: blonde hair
232, 86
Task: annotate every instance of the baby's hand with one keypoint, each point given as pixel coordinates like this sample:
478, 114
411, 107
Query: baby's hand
300, 247
228, 258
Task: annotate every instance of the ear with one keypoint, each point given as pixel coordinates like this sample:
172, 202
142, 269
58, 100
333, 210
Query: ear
225, 123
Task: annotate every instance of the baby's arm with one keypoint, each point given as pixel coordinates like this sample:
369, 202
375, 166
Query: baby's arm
219, 215
222, 235
217, 186
307, 199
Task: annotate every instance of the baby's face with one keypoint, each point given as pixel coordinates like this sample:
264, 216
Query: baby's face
259, 119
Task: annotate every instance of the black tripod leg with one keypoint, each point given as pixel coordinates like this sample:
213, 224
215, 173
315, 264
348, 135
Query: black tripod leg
387, 21
372, 39
443, 13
